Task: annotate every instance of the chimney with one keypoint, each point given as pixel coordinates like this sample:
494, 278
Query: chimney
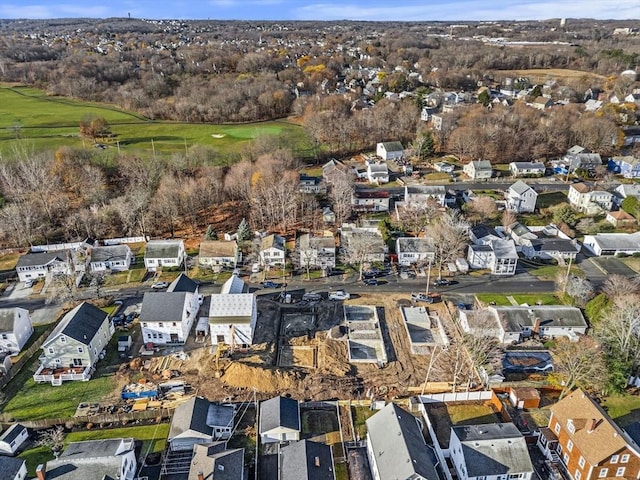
316, 461
200, 475
591, 425
41, 473
536, 326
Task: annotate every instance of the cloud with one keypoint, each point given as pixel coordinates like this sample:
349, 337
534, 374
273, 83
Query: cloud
59, 10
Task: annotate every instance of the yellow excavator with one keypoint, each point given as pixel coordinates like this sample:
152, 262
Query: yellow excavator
221, 351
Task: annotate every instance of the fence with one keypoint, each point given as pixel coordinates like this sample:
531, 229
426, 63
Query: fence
121, 418
457, 397
118, 241
26, 356
56, 246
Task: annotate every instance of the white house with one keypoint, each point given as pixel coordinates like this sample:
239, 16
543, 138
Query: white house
15, 329
272, 250
279, 420
514, 323
13, 468
389, 150
199, 421
377, 173
38, 265
443, 167
412, 251
111, 258
218, 254
13, 438
233, 314
93, 459
478, 169
492, 451
167, 317
164, 253
499, 256
420, 194
317, 252
612, 243
312, 185
527, 169
588, 201
370, 200
371, 236
543, 242
521, 198
72, 349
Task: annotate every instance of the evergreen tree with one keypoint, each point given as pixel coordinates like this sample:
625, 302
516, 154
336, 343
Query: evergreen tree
244, 231
210, 234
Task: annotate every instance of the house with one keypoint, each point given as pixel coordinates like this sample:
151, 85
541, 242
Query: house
334, 170
543, 242
328, 216
524, 397
164, 253
443, 167
111, 258
199, 421
167, 317
414, 251
499, 256
489, 452
213, 461
219, 254
612, 243
317, 252
527, 169
541, 103
306, 460
13, 468
521, 198
272, 250
620, 218
31, 266
13, 438
588, 201
483, 234
279, 420
625, 190
370, 200
585, 161
420, 194
628, 166
93, 459
72, 349
312, 185
514, 323
478, 169
377, 173
631, 135
396, 448
389, 150
593, 105
15, 329
376, 250
233, 314
587, 441
443, 123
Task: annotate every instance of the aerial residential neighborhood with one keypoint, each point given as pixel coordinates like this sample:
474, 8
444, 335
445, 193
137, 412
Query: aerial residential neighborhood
379, 248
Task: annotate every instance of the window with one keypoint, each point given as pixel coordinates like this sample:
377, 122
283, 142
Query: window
603, 472
581, 461
63, 339
577, 475
174, 324
160, 325
624, 458
80, 350
556, 428
565, 458
569, 445
570, 426
4, 336
77, 362
144, 324
57, 361
614, 458
51, 350
148, 335
620, 471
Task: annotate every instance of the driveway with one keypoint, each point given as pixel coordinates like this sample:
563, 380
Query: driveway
613, 266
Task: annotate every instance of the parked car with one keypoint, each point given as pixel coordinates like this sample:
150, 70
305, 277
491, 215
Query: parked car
130, 317
339, 295
421, 297
442, 282
118, 319
270, 284
255, 268
159, 285
371, 282
374, 272
461, 306
29, 283
311, 297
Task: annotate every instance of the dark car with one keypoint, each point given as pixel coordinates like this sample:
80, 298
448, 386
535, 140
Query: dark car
442, 282
118, 319
130, 317
372, 282
373, 273
270, 284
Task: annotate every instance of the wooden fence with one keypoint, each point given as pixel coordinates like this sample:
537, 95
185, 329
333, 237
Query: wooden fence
26, 356
121, 418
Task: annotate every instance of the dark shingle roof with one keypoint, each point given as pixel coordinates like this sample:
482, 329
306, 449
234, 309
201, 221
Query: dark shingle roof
163, 306
110, 253
279, 412
41, 258
217, 463
183, 284
191, 415
306, 460
162, 249
10, 466
82, 323
12, 433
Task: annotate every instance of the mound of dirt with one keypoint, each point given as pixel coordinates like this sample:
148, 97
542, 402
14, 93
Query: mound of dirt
262, 379
333, 357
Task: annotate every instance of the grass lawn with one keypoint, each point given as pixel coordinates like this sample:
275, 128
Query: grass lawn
632, 262
499, 299
8, 261
341, 471
154, 437
34, 457
437, 176
550, 271
203, 274
360, 415
546, 200
520, 298
624, 409
444, 416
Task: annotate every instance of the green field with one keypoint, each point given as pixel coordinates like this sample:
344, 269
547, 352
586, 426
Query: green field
501, 300
29, 116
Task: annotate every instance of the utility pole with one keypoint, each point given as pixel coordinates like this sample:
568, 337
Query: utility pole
428, 277
566, 277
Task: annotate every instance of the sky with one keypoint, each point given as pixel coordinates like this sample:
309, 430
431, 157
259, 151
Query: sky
377, 10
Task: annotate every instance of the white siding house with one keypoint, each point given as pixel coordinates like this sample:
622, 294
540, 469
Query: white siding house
13, 438
233, 314
218, 254
279, 420
113, 258
38, 265
527, 169
164, 253
13, 468
499, 256
521, 198
272, 250
478, 169
317, 252
15, 329
389, 150
413, 251
588, 201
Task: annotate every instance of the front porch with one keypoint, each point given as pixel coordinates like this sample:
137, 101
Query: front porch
58, 375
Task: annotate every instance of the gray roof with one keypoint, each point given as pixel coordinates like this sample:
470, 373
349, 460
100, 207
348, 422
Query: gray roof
482, 230
519, 229
92, 459
183, 284
425, 190
110, 253
399, 446
220, 415
528, 165
306, 241
163, 249
481, 164
513, 319
504, 248
41, 258
233, 285
393, 146
12, 433
163, 306
216, 463
218, 248
82, 323
279, 412
191, 415
493, 449
10, 466
555, 245
272, 241
7, 319
306, 460
417, 245
618, 241
520, 187
626, 190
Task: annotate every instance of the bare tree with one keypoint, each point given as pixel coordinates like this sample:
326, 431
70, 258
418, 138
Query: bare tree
482, 208
53, 439
450, 234
358, 247
578, 288
508, 218
578, 364
415, 216
618, 286
340, 196
619, 330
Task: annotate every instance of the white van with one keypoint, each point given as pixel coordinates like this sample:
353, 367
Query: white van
255, 268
